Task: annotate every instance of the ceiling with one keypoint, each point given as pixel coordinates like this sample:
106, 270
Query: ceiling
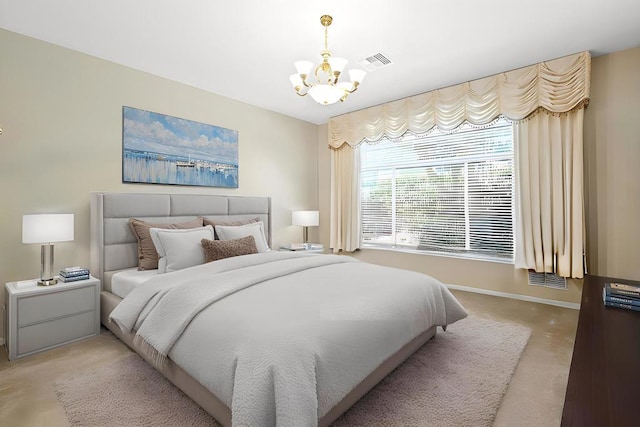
245, 49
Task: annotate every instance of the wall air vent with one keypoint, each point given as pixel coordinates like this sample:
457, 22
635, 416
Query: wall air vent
548, 280
375, 62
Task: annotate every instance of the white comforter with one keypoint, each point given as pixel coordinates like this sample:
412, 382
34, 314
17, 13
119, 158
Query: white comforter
281, 337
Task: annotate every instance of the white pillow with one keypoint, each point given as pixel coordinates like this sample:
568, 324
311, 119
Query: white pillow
179, 248
255, 229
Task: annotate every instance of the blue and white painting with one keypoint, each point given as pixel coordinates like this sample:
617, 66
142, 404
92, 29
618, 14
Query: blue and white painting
161, 149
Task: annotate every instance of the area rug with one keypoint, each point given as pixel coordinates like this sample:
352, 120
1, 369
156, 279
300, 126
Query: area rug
456, 379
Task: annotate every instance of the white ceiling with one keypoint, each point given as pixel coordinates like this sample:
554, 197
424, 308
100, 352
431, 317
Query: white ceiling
245, 49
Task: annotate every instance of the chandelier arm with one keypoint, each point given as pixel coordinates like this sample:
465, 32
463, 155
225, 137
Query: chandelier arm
299, 91
336, 75
325, 68
355, 87
304, 81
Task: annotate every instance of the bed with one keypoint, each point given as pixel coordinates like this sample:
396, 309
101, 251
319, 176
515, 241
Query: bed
281, 338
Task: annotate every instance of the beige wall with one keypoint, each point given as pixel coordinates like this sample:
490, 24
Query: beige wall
612, 187
612, 164
61, 112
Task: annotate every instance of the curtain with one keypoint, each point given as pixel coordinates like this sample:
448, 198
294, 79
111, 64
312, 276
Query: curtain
547, 101
557, 86
550, 224
345, 200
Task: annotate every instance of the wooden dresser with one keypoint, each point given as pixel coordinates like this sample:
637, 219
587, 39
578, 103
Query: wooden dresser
604, 380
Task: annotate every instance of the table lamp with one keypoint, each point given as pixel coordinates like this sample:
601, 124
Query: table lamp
47, 229
306, 219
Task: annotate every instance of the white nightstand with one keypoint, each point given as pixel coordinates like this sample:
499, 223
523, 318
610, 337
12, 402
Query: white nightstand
42, 317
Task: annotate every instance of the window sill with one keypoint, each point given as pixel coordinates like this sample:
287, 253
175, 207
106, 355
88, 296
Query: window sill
439, 254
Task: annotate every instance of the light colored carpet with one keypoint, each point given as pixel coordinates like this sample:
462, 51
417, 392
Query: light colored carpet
457, 379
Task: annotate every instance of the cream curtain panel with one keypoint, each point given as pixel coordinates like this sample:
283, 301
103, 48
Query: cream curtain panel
345, 200
550, 224
557, 86
545, 100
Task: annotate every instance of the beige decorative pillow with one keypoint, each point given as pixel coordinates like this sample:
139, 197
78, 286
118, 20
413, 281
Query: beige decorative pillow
214, 222
220, 249
147, 254
178, 249
255, 229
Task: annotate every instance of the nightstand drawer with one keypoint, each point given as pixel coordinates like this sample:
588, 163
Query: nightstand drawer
43, 335
39, 308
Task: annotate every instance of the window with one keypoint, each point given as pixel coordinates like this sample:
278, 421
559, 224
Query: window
443, 192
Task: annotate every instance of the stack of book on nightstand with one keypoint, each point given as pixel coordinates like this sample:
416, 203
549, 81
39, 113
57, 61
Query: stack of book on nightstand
294, 247
302, 247
71, 274
621, 295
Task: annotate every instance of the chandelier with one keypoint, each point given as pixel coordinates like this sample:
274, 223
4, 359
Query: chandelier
326, 90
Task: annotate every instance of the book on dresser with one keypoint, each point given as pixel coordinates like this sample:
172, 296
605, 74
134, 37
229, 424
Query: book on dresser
623, 289
620, 295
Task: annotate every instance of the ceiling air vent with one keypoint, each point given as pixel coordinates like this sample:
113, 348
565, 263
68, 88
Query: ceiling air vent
548, 280
375, 62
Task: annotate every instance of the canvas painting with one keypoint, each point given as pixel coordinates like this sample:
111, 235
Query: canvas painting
161, 149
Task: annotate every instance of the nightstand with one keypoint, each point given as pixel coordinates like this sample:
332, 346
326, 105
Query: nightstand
39, 318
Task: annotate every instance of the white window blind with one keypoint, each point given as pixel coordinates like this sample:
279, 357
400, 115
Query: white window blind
443, 192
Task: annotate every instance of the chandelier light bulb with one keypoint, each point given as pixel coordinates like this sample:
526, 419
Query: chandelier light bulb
326, 89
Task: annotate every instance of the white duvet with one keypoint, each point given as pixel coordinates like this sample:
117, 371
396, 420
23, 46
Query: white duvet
280, 337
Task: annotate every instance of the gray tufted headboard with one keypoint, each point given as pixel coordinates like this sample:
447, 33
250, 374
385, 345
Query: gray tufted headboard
114, 246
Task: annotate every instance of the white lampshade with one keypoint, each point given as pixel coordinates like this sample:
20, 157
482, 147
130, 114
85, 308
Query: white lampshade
326, 94
296, 80
337, 64
303, 67
306, 218
47, 228
357, 75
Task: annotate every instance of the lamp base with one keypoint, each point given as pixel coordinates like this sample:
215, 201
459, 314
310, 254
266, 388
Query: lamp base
46, 266
47, 282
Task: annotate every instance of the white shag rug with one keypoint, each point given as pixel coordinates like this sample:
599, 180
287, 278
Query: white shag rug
457, 379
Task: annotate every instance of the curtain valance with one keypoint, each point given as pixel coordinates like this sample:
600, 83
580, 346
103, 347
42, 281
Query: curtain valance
557, 86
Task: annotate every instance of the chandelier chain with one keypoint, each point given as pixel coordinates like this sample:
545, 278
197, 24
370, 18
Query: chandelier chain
326, 32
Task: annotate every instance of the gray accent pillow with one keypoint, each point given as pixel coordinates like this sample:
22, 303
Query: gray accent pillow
147, 254
220, 249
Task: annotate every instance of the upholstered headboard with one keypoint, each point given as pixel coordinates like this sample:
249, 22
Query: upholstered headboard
113, 244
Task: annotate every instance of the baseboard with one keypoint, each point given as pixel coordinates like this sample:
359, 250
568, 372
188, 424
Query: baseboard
571, 305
